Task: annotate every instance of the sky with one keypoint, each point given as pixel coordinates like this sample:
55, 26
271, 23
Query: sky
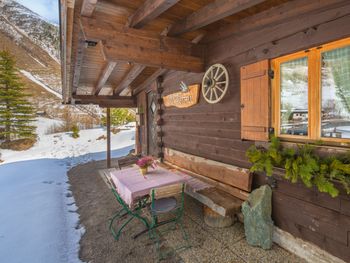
45, 8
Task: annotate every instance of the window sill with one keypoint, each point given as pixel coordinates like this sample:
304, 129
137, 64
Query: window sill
326, 147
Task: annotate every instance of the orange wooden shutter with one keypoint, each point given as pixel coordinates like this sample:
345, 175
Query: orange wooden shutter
255, 101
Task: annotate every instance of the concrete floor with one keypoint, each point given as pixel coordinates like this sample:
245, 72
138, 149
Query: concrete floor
96, 204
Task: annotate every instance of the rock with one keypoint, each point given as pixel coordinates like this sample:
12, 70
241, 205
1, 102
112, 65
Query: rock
258, 224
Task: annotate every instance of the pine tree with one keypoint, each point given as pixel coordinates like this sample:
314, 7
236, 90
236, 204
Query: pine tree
16, 112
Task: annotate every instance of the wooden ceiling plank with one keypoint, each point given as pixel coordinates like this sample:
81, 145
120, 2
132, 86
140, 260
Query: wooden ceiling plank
149, 81
88, 7
211, 13
129, 77
105, 73
154, 58
150, 10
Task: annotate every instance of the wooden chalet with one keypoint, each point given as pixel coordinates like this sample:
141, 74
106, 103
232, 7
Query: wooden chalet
211, 78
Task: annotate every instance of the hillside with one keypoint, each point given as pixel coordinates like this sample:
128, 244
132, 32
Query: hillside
33, 41
35, 44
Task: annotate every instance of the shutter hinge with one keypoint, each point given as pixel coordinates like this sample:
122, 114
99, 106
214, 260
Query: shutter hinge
271, 73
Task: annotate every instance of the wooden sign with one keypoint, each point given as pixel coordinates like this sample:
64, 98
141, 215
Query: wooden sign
183, 99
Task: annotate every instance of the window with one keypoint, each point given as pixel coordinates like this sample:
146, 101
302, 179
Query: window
311, 93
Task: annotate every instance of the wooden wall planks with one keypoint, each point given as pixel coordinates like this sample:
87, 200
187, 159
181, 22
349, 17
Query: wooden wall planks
211, 131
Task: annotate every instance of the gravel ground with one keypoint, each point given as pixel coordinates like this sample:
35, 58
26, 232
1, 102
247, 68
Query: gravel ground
97, 204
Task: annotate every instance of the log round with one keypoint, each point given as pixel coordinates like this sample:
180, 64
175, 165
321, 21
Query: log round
213, 219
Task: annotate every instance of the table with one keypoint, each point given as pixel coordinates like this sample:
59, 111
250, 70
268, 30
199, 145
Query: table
131, 185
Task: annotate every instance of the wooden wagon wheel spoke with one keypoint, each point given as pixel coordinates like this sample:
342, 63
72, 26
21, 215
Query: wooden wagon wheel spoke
222, 73
215, 83
216, 73
217, 87
206, 93
215, 93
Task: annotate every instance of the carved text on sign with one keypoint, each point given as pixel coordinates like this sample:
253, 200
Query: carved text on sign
183, 99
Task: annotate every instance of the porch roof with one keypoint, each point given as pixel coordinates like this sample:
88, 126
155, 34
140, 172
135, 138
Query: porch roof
111, 50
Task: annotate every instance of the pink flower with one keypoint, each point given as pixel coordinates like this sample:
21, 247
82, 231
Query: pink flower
146, 162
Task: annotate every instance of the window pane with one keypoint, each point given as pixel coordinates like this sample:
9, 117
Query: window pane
294, 97
335, 70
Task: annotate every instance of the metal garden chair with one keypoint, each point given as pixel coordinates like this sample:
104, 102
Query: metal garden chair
167, 201
127, 211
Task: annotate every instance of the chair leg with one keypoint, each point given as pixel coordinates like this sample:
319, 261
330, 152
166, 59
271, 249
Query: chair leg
117, 235
114, 217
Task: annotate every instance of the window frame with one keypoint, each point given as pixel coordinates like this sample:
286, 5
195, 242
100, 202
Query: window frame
314, 92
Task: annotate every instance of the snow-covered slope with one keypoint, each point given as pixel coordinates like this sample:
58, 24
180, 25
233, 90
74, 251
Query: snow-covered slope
20, 22
33, 42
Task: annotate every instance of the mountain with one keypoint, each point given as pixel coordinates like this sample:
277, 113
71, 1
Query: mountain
34, 42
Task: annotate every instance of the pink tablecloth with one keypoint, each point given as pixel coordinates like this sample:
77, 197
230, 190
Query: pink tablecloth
131, 184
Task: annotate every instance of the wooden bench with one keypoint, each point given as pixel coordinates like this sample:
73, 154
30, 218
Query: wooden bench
230, 185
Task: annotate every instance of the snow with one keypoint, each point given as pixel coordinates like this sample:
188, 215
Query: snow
31, 77
38, 219
39, 62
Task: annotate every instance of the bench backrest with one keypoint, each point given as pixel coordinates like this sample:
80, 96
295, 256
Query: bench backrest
235, 180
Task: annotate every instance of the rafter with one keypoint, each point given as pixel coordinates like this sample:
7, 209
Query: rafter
105, 73
88, 7
129, 77
149, 81
149, 11
153, 58
211, 13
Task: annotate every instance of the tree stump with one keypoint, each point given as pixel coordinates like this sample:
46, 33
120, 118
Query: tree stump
213, 219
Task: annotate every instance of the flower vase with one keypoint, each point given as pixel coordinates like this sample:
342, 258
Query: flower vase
144, 171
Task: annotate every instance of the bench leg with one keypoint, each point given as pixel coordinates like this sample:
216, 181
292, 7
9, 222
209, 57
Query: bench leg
213, 219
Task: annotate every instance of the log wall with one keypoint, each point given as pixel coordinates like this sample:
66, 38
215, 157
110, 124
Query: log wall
213, 131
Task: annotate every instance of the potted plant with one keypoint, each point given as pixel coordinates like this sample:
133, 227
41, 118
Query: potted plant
145, 162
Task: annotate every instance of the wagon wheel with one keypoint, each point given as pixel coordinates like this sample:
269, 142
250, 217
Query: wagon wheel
215, 83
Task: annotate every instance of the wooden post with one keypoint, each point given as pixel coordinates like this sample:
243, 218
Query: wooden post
108, 138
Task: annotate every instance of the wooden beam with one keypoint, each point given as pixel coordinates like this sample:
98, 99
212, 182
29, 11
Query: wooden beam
149, 11
78, 62
153, 58
105, 73
149, 81
108, 122
274, 16
129, 77
88, 7
97, 30
211, 13
111, 101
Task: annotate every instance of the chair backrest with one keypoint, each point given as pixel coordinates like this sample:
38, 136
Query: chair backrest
167, 191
